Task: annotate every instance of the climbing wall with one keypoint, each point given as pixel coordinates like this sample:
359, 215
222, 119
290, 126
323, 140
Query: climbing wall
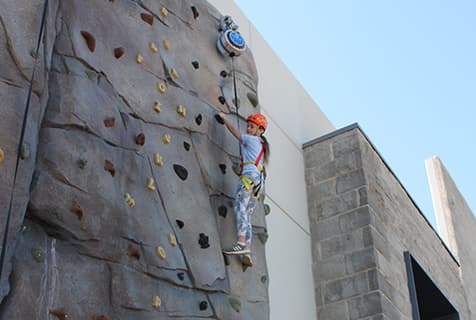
124, 199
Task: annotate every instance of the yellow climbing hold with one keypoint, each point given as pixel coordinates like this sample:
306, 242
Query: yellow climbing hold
157, 106
172, 240
166, 44
153, 47
181, 110
139, 58
161, 87
174, 73
2, 155
166, 138
164, 12
158, 160
161, 252
150, 184
130, 202
156, 302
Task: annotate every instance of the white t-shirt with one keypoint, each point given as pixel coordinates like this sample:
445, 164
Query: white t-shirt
251, 148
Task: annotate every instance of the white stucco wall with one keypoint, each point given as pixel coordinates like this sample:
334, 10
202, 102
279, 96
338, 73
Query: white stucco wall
294, 119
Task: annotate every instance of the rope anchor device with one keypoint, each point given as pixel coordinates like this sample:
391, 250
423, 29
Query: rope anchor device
230, 42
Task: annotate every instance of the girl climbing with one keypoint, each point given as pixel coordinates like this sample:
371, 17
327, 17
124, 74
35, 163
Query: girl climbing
255, 153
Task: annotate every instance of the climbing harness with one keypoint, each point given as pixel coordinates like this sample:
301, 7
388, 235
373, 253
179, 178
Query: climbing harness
20, 142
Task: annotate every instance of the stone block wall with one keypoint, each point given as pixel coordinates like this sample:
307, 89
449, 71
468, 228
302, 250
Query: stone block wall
362, 222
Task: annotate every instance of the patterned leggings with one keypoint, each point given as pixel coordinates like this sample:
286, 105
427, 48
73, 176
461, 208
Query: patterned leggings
245, 204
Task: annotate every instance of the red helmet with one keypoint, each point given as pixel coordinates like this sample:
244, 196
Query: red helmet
258, 119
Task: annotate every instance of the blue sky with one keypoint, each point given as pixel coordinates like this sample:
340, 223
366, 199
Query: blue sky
404, 70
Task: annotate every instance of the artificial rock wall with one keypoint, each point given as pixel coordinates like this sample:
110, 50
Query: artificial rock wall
362, 221
123, 201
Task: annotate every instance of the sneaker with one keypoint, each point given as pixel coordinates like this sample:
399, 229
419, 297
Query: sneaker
237, 249
246, 260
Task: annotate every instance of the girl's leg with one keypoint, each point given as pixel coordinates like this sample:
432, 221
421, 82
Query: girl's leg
243, 222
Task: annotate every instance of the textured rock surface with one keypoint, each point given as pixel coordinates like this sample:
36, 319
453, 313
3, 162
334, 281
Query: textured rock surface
76, 246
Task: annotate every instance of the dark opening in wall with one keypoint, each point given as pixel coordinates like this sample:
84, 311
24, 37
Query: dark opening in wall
428, 302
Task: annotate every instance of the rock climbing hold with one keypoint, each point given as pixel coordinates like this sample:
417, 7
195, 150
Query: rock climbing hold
109, 122
253, 98
109, 166
130, 202
90, 41
203, 241
195, 12
139, 58
161, 252
164, 12
25, 151
140, 139
222, 168
181, 110
235, 303
236, 167
174, 73
166, 44
157, 106
222, 99
150, 184
264, 279
198, 119
224, 74
38, 255
161, 87
91, 75
181, 172
172, 240
267, 209
147, 18
158, 160
203, 305
186, 145
82, 163
156, 302
181, 275
153, 47
180, 223
222, 211
60, 314
2, 155
133, 252
166, 138
77, 210
263, 237
219, 119
118, 52
195, 64
101, 317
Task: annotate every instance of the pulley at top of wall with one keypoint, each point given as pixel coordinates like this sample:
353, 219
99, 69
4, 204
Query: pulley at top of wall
230, 42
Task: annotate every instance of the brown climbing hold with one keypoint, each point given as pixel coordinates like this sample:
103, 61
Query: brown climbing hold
166, 138
109, 166
156, 302
157, 106
195, 64
60, 314
118, 52
158, 160
153, 47
181, 172
195, 12
150, 184
2, 155
172, 240
140, 139
133, 252
161, 252
139, 58
161, 87
90, 41
164, 12
77, 210
181, 110
166, 44
147, 18
109, 122
101, 317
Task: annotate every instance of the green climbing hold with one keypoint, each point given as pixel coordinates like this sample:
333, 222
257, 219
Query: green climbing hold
235, 303
267, 209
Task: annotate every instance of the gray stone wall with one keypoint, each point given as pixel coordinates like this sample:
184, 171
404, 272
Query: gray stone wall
362, 221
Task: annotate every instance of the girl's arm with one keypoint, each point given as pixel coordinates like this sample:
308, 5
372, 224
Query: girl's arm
230, 126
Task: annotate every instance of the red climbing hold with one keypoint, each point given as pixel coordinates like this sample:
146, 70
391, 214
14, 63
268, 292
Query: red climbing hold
147, 18
118, 52
77, 210
140, 139
133, 252
90, 41
60, 314
109, 122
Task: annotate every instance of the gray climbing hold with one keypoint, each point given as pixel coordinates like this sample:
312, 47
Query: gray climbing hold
37, 255
267, 209
25, 151
235, 303
264, 279
82, 163
181, 172
236, 167
263, 237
